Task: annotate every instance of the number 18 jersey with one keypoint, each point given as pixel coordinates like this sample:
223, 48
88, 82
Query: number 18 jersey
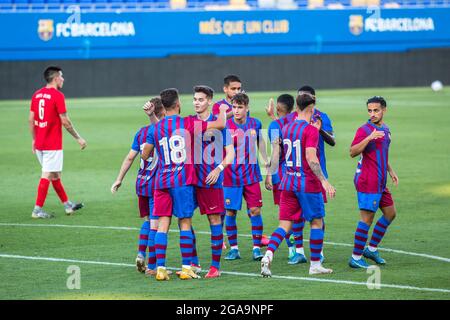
173, 138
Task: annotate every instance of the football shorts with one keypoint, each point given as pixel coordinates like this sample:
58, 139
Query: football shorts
373, 201
50, 160
251, 194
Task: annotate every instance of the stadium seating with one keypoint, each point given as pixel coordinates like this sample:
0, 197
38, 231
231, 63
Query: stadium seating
132, 5
66, 4
6, 4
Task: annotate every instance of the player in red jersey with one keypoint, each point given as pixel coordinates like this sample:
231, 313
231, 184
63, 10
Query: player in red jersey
47, 116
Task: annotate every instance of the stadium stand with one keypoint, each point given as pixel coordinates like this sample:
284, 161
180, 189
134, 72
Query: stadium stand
133, 5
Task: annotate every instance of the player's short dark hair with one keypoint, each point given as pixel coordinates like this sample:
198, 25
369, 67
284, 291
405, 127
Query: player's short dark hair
308, 89
159, 108
377, 99
304, 100
240, 98
51, 72
287, 100
169, 98
209, 92
231, 78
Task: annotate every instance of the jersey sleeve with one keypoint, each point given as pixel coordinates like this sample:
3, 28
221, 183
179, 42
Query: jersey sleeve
258, 124
326, 123
360, 135
312, 137
135, 145
216, 109
150, 139
274, 131
60, 103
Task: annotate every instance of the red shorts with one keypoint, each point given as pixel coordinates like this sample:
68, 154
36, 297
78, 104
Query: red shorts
251, 194
276, 194
386, 199
179, 202
290, 209
210, 200
144, 207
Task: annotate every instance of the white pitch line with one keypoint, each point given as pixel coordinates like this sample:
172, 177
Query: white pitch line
423, 255
394, 286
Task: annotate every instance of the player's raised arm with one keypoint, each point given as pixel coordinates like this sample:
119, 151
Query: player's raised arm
314, 164
33, 134
65, 120
149, 109
221, 121
270, 110
357, 148
126, 164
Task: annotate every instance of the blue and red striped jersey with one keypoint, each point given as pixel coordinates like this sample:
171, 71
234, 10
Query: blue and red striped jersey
245, 168
216, 107
173, 138
209, 151
371, 172
147, 169
326, 126
297, 136
275, 132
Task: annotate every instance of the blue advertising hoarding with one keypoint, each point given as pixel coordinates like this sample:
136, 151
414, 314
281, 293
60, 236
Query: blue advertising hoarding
46, 35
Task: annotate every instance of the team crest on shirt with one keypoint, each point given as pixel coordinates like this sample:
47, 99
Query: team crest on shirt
228, 202
374, 203
356, 24
253, 132
45, 29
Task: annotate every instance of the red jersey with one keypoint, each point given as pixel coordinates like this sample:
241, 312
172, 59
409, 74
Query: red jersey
47, 104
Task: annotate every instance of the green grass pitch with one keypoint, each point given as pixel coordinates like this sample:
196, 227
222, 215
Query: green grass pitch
420, 152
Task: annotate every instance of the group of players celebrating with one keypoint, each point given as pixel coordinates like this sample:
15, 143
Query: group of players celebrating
210, 160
